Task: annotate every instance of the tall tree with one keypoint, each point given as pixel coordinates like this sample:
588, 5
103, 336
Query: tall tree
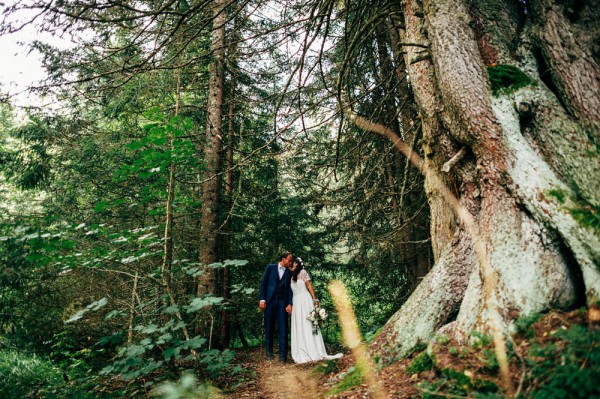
212, 150
528, 225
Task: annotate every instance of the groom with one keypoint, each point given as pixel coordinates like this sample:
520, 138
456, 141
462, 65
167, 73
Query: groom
276, 302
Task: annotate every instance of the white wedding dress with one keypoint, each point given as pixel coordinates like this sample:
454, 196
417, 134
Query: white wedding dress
306, 346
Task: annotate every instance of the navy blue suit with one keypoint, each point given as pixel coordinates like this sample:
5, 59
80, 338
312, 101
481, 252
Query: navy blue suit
278, 295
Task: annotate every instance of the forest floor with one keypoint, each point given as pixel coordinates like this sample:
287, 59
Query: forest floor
276, 380
541, 356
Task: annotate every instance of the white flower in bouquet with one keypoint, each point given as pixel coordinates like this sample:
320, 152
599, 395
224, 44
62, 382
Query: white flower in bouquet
322, 314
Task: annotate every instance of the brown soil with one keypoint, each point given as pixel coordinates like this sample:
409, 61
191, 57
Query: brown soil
274, 380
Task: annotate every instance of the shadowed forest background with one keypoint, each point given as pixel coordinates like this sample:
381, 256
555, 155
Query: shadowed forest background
439, 158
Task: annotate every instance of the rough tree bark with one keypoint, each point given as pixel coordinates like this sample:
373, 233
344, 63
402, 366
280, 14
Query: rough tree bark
566, 47
539, 255
212, 148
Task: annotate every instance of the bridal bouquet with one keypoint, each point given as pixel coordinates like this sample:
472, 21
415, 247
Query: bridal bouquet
317, 318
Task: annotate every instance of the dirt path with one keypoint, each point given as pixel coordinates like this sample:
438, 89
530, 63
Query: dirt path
274, 380
287, 381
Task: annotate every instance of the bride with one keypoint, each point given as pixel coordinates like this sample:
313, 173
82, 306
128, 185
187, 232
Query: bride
306, 346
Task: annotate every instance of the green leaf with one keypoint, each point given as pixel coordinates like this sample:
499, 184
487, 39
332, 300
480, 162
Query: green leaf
91, 307
235, 262
134, 145
149, 329
171, 309
160, 141
112, 314
199, 303
164, 339
171, 352
194, 343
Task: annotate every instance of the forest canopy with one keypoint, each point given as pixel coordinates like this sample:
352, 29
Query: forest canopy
440, 159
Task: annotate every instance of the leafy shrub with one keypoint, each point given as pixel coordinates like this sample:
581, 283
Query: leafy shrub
67, 355
161, 346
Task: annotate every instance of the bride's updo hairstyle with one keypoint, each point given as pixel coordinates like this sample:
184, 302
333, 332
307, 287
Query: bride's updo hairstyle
299, 268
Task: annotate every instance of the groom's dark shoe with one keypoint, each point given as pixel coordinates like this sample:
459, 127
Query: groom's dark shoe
269, 356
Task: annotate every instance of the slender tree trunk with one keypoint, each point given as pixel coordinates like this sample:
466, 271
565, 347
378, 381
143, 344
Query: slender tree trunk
225, 322
168, 237
132, 309
212, 148
165, 270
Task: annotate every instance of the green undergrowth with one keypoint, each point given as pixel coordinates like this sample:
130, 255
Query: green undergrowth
555, 355
187, 387
568, 365
20, 374
422, 362
24, 375
507, 78
523, 325
351, 379
453, 383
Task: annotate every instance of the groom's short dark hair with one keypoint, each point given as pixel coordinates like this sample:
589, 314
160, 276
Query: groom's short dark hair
284, 255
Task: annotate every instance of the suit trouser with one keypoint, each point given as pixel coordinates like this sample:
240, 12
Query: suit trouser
275, 312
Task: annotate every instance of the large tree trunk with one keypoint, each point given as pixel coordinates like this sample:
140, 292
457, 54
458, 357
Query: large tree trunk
534, 249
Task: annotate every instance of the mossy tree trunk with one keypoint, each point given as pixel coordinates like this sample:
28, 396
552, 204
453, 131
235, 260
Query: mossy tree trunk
528, 173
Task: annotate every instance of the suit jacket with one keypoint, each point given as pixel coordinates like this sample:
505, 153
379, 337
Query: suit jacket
269, 281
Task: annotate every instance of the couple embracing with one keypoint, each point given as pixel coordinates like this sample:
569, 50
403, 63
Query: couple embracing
285, 289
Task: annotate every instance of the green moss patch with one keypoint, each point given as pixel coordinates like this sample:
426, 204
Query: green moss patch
351, 380
422, 362
507, 79
586, 214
